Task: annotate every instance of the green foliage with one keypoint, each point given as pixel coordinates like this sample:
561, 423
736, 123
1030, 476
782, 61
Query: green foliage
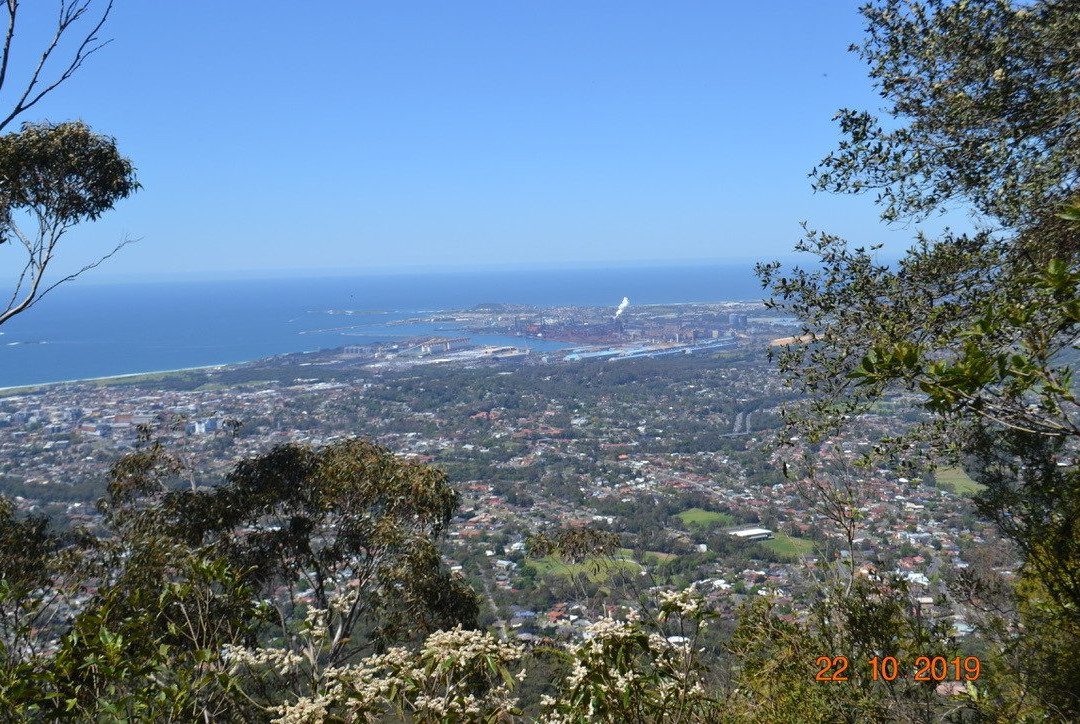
349, 514
1029, 677
574, 545
63, 172
1034, 501
54, 176
141, 653
776, 659
596, 569
40, 573
190, 571
979, 329
1000, 362
982, 106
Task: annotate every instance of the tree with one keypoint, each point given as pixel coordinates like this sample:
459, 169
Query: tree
146, 647
345, 534
982, 106
55, 176
980, 328
52, 176
349, 520
38, 577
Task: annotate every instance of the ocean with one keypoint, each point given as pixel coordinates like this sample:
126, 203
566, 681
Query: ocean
84, 330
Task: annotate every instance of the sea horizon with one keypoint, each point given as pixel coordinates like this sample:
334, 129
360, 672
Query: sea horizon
90, 331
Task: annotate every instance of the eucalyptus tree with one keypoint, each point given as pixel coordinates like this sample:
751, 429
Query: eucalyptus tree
185, 573
52, 176
349, 521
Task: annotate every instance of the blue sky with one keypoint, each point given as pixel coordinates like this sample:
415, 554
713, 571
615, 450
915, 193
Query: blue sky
280, 138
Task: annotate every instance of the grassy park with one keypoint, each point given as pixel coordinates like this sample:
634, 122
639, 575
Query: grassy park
703, 518
791, 546
958, 481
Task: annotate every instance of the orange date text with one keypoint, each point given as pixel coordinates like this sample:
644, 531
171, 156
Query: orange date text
888, 668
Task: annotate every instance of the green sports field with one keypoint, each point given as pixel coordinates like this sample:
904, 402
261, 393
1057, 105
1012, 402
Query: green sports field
698, 516
790, 546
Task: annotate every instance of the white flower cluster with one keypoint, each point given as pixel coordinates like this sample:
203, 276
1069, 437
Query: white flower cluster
607, 629
341, 602
311, 710
687, 603
658, 642
281, 661
594, 660
316, 622
437, 682
468, 645
631, 658
455, 657
577, 674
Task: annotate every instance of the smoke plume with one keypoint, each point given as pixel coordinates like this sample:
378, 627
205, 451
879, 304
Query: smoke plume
622, 307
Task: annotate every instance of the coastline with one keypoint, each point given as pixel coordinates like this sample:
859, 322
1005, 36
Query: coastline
109, 378
94, 331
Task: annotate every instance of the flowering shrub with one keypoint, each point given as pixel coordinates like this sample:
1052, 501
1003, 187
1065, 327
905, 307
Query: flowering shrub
456, 675
624, 670
629, 671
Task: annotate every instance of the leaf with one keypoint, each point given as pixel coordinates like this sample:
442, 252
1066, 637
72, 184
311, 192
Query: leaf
1070, 211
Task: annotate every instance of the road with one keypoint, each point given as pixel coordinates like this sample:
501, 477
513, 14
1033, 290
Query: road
504, 630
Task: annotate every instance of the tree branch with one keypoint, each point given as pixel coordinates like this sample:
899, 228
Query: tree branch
19, 285
33, 297
12, 8
69, 14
